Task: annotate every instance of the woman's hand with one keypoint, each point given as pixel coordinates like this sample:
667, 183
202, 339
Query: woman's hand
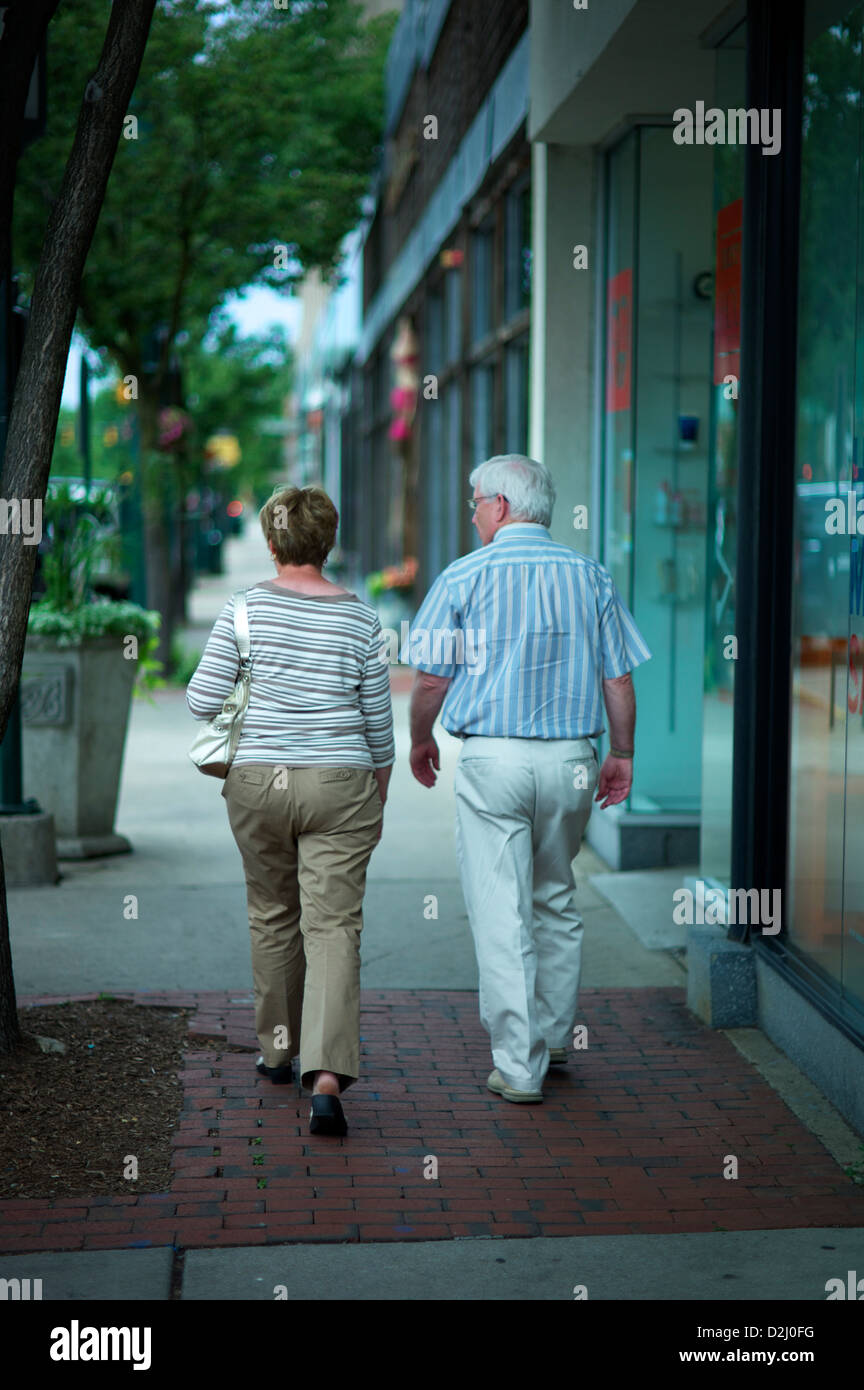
382, 777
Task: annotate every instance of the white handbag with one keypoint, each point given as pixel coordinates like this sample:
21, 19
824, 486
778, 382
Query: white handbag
214, 747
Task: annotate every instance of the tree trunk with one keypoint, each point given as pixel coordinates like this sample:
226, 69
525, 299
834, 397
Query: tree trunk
36, 403
10, 1030
23, 30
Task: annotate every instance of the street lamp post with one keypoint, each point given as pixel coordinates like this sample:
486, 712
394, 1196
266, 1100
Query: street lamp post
84, 425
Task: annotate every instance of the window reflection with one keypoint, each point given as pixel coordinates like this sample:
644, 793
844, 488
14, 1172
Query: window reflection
826, 843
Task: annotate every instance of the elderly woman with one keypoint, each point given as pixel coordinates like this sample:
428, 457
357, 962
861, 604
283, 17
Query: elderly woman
305, 794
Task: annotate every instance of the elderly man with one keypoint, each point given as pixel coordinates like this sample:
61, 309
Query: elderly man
547, 632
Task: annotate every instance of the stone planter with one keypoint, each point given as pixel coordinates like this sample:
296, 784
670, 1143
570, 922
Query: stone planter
74, 715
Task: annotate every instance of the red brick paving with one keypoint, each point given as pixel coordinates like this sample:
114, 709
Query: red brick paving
631, 1137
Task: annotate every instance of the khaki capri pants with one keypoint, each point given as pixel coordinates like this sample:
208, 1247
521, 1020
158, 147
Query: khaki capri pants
306, 835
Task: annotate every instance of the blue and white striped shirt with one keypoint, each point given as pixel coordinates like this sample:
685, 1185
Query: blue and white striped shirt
526, 630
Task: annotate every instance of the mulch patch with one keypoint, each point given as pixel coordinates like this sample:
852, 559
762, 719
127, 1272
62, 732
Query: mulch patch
69, 1121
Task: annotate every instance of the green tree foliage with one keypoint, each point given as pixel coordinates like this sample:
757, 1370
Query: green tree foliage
232, 383
250, 139
110, 436
256, 128
239, 384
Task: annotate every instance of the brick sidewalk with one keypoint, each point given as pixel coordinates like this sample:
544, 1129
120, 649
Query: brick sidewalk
631, 1137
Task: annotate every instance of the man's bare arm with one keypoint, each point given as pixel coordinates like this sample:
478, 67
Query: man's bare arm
620, 699
427, 697
616, 774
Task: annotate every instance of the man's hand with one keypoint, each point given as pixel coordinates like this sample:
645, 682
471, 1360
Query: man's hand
615, 781
427, 697
425, 757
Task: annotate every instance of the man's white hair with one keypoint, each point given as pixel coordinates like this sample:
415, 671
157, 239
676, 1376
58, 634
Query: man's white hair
525, 483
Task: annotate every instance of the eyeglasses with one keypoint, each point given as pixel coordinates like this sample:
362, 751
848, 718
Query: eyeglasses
472, 501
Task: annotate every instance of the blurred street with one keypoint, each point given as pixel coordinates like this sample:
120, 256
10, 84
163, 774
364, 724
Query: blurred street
185, 871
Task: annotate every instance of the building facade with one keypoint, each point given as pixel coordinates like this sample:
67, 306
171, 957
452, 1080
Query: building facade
626, 238
447, 262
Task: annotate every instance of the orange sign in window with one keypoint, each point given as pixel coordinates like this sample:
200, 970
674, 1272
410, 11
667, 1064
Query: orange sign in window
727, 293
619, 340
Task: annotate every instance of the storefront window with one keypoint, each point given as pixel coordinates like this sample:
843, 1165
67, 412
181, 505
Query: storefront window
435, 332
825, 915
672, 396
482, 380
451, 468
500, 297
432, 435
618, 433
658, 326
453, 315
481, 284
517, 294
516, 401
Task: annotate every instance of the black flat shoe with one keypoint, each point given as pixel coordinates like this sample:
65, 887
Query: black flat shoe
327, 1116
280, 1076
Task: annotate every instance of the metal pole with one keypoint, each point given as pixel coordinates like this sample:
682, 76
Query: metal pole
84, 424
135, 534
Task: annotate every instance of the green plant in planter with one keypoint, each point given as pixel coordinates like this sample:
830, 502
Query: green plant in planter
68, 612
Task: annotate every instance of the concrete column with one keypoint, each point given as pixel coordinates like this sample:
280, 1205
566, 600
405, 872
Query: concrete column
562, 331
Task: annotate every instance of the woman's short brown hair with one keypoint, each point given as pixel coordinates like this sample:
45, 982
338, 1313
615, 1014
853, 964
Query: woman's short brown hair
301, 524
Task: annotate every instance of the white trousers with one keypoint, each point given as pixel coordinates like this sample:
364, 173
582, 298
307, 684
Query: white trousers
522, 806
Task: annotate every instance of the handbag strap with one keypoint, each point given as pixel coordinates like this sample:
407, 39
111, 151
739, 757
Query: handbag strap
241, 627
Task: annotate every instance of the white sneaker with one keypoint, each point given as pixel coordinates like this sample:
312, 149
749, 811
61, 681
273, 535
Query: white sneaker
495, 1082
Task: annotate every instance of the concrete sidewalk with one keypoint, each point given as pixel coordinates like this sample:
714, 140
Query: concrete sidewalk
191, 934
186, 873
762, 1266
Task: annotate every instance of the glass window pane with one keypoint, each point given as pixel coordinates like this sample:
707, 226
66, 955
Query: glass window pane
482, 379
516, 397
825, 918
451, 465
722, 496
517, 268
432, 487
435, 332
671, 391
618, 415
453, 315
481, 285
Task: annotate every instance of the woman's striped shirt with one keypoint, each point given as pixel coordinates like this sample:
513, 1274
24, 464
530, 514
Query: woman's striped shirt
320, 685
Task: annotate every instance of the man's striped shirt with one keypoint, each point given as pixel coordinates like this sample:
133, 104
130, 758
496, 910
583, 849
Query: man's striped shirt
319, 690
526, 630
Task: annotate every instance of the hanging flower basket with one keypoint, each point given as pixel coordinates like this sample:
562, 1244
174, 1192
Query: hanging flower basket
400, 578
